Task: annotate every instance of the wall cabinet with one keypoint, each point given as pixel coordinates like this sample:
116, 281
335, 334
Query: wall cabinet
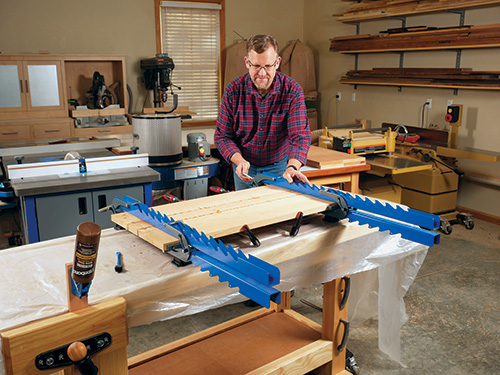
35, 89
27, 86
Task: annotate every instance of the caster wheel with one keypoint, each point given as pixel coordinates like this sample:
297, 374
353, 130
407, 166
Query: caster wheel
445, 227
469, 224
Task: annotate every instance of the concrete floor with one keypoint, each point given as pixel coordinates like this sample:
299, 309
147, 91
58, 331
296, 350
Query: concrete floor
453, 308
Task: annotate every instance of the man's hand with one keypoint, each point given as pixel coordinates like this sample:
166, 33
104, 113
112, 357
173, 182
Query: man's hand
291, 174
242, 167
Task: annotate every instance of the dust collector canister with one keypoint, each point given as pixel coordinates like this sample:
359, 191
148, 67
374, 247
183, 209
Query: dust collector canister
159, 135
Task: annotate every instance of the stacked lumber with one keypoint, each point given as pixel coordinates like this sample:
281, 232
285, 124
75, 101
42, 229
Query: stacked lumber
431, 77
367, 10
420, 38
324, 158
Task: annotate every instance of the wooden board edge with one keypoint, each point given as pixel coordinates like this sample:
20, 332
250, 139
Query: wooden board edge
304, 359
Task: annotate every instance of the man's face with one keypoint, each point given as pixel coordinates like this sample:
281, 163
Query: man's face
262, 68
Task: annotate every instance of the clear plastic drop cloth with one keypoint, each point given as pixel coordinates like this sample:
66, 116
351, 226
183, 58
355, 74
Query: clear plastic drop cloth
382, 267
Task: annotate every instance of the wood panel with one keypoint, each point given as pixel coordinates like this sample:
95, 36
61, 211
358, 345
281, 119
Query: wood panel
272, 344
221, 215
322, 158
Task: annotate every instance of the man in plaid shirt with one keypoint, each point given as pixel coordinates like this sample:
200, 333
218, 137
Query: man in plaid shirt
262, 124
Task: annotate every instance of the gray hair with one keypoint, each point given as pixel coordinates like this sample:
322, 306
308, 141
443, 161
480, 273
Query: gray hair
261, 43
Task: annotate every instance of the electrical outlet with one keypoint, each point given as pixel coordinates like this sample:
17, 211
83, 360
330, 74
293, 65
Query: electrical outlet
353, 96
429, 103
339, 96
449, 102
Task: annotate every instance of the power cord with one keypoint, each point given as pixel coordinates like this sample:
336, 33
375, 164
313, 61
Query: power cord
423, 109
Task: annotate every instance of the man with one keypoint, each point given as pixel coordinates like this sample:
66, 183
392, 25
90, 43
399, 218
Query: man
262, 124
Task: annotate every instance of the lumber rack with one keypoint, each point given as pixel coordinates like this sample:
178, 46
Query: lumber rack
277, 340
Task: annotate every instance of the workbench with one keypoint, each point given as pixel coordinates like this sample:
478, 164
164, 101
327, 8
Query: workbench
33, 285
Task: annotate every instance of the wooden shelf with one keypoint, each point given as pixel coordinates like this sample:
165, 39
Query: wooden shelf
411, 84
483, 36
392, 8
452, 78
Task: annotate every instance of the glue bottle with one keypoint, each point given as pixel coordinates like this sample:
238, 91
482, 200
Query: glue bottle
88, 235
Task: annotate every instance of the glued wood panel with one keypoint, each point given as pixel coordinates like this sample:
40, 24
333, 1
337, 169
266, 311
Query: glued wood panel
321, 158
225, 214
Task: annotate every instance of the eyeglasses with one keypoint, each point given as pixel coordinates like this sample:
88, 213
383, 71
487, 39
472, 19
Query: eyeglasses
267, 68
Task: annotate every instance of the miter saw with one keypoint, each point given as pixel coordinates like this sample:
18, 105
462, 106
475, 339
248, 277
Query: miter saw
99, 97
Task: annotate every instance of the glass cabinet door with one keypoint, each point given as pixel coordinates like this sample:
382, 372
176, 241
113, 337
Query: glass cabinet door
12, 89
44, 85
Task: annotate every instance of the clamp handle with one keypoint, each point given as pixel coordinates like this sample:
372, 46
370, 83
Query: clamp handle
296, 225
78, 354
253, 238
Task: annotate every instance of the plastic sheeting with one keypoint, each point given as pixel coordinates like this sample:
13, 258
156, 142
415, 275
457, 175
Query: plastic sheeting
382, 267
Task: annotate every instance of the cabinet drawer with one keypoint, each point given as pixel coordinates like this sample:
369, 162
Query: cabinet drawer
109, 130
14, 132
61, 130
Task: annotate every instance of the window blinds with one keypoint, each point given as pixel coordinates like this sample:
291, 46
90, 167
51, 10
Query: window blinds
190, 36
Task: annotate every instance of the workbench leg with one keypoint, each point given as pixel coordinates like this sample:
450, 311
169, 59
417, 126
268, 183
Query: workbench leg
352, 185
286, 302
332, 328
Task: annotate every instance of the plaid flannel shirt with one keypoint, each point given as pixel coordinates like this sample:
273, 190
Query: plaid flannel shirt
263, 129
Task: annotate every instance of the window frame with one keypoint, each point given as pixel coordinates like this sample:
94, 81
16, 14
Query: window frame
222, 48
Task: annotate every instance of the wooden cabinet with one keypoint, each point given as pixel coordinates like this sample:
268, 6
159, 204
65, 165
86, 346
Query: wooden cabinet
35, 89
30, 87
19, 130
50, 129
12, 131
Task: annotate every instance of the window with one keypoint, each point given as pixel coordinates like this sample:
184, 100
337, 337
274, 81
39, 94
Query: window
192, 34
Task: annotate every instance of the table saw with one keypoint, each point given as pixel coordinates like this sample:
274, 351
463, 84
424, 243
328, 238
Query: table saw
55, 195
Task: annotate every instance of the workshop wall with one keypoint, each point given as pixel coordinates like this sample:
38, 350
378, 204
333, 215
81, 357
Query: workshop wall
481, 117
128, 27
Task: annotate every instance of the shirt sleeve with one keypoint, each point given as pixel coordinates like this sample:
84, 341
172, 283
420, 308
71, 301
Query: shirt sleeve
299, 133
224, 133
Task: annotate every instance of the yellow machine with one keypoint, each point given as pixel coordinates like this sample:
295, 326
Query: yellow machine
414, 166
356, 139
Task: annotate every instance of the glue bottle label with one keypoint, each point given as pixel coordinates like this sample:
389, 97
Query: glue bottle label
86, 246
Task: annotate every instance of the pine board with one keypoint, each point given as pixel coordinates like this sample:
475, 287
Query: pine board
225, 214
323, 158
